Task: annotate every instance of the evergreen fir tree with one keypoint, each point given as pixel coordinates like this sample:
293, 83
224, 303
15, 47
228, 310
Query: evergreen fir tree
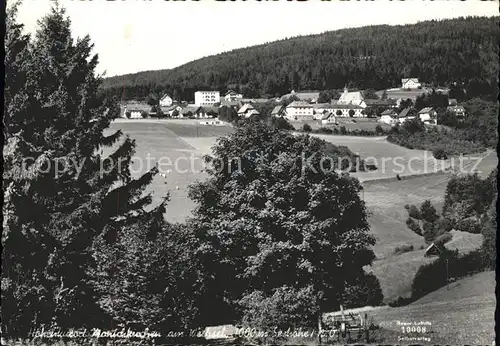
63, 198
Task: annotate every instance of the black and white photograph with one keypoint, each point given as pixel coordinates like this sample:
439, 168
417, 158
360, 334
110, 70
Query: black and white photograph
245, 172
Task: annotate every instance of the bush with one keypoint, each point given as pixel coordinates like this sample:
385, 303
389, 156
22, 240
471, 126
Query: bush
306, 128
413, 225
379, 129
285, 308
401, 301
325, 130
144, 114
440, 154
442, 239
402, 249
471, 224
365, 290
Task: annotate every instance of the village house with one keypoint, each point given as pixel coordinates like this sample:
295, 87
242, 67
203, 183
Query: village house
232, 95
206, 98
459, 111
133, 113
328, 118
171, 110
166, 101
410, 83
278, 111
194, 111
452, 102
389, 117
388, 103
406, 115
428, 115
299, 110
247, 110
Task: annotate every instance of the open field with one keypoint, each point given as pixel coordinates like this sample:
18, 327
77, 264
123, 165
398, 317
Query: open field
402, 93
461, 314
177, 141
367, 124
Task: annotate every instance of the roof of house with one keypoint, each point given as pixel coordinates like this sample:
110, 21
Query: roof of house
277, 110
322, 105
253, 100
224, 102
389, 112
426, 110
165, 96
231, 92
207, 91
328, 115
404, 80
299, 104
370, 102
246, 108
345, 106
404, 112
190, 108
253, 112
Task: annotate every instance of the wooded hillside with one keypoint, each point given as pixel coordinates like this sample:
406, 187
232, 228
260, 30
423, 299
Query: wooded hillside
462, 50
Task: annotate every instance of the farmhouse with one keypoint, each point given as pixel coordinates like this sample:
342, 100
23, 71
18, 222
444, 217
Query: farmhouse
428, 115
247, 110
171, 110
432, 250
389, 116
278, 111
133, 113
389, 103
328, 118
405, 115
354, 98
410, 83
166, 101
195, 112
232, 95
206, 98
459, 111
348, 110
299, 110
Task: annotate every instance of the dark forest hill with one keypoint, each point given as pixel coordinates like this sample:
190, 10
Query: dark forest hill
462, 50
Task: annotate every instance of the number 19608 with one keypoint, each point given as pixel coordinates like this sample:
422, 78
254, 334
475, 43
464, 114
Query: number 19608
413, 329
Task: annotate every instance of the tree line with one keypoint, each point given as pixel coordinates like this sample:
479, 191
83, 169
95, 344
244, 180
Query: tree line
460, 53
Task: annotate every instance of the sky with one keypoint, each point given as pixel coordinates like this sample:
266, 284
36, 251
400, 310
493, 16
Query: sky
139, 35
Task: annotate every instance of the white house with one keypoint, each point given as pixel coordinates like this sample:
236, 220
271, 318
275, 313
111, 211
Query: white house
410, 83
428, 115
328, 118
132, 113
232, 96
299, 110
389, 117
166, 101
353, 97
206, 98
459, 111
405, 115
247, 110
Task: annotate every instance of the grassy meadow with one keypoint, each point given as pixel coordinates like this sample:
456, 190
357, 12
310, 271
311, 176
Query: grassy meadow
176, 141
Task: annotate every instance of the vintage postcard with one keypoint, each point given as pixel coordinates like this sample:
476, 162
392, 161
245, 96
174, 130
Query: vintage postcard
284, 172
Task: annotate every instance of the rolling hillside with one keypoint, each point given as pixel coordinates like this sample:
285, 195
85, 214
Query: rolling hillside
462, 50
